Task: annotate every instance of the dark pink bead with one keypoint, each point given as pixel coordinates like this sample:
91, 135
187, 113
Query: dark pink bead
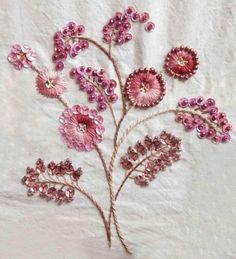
204, 106
127, 26
135, 17
201, 127
179, 117
81, 29
92, 98
128, 37
183, 102
84, 44
101, 98
59, 66
149, 26
144, 17
211, 133
222, 115
210, 102
225, 138
57, 35
192, 102
227, 127
90, 89
202, 134
214, 118
112, 83
111, 22
200, 100
71, 25
68, 48
73, 73
109, 90
102, 106
223, 122
213, 110
112, 98
130, 10
118, 16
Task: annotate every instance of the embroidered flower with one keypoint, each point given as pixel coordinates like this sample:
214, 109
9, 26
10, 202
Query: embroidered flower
81, 128
50, 84
181, 62
204, 116
21, 56
145, 88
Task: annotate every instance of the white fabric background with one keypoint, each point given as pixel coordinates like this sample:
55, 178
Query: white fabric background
189, 211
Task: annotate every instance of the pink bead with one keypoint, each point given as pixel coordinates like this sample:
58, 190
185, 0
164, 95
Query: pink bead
214, 118
71, 25
183, 102
216, 139
225, 138
92, 98
84, 44
227, 127
135, 17
111, 22
213, 110
59, 66
149, 26
89, 70
118, 16
200, 100
204, 106
57, 35
210, 102
202, 134
127, 26
211, 133
179, 117
222, 115
109, 90
144, 17
128, 37
81, 29
193, 102
73, 73
113, 98
102, 106
130, 10
101, 98
189, 127
201, 127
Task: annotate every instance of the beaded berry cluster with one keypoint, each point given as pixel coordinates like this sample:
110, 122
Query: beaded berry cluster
204, 116
96, 84
82, 129
118, 27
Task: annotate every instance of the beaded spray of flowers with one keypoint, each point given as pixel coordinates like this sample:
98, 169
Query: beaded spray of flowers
82, 127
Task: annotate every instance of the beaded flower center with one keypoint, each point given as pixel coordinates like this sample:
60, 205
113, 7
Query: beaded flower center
49, 83
21, 56
144, 87
82, 128
182, 61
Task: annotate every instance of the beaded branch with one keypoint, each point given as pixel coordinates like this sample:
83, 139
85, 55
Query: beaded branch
82, 127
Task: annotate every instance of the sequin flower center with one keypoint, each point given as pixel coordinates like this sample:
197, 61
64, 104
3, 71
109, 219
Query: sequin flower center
81, 128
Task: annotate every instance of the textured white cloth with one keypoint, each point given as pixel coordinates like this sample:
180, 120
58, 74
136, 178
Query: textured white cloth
189, 211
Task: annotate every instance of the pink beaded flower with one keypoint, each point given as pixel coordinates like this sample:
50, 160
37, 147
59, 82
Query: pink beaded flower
81, 128
50, 83
151, 156
181, 62
68, 42
21, 56
145, 88
118, 27
53, 181
204, 116
97, 85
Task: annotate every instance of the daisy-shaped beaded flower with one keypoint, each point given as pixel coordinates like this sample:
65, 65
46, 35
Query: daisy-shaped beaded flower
81, 128
181, 62
145, 88
21, 56
50, 84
